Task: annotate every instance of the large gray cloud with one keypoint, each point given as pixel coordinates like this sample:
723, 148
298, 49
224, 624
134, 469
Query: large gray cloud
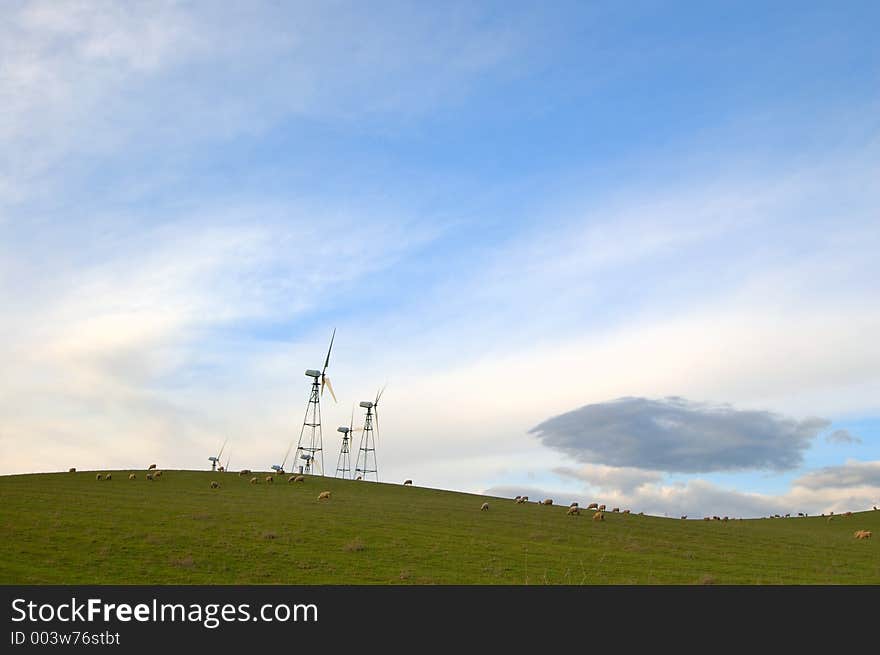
674, 434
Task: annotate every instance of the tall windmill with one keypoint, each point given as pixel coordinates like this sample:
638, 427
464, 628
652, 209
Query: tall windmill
367, 450
216, 458
343, 462
309, 449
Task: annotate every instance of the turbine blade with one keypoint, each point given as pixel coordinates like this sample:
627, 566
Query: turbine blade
221, 448
329, 386
327, 361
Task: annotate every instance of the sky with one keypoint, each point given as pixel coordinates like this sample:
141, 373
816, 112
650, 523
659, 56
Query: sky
623, 253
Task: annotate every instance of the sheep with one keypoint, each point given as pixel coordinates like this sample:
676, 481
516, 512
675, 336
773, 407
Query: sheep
525, 499
601, 508
269, 479
875, 507
848, 514
360, 477
151, 467
725, 519
593, 506
109, 476
406, 482
132, 476
73, 470
626, 511
292, 478
863, 534
324, 495
615, 509
707, 518
517, 498
573, 510
254, 480
520, 500
157, 474
99, 477
300, 478
642, 514
215, 484
573, 505
800, 513
547, 501
484, 507
244, 472
684, 517
149, 477
599, 516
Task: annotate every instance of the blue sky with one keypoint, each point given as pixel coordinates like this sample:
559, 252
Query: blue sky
509, 211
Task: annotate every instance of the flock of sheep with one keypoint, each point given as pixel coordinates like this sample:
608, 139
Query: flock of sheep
573, 509
599, 513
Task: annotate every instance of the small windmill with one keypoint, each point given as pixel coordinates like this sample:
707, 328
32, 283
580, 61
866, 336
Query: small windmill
309, 449
216, 458
279, 468
367, 448
343, 462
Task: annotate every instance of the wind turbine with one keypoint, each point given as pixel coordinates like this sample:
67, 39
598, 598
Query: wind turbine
368, 438
280, 468
216, 458
310, 447
343, 462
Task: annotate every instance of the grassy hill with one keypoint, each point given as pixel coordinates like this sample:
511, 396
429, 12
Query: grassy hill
68, 528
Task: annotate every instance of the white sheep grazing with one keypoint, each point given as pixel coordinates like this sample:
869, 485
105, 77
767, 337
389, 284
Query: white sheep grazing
150, 477
520, 500
300, 478
484, 507
601, 508
324, 495
99, 477
407, 482
292, 478
254, 480
359, 477
547, 501
132, 476
684, 517
573, 505
157, 474
270, 479
616, 509
599, 516
215, 484
525, 499
574, 509
593, 506
73, 470
109, 476
626, 511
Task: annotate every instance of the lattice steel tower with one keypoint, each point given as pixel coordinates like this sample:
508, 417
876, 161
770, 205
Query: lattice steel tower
310, 447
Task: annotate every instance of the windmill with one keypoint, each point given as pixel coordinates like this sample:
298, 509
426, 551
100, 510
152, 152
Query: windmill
343, 462
309, 449
225, 467
368, 438
216, 458
279, 468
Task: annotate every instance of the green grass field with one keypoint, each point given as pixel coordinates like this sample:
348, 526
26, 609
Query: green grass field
67, 528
